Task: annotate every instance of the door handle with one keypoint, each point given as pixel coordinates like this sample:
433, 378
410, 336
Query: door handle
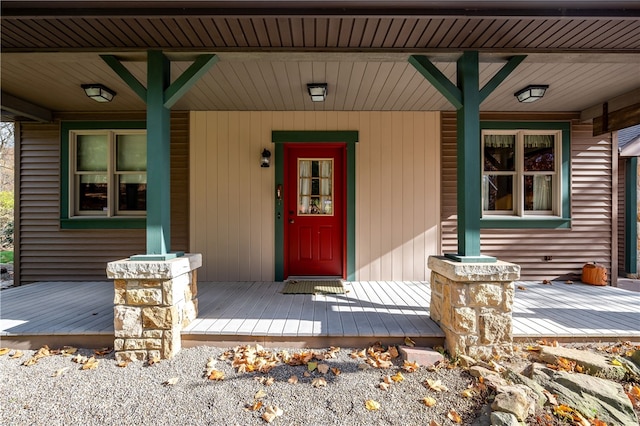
292, 221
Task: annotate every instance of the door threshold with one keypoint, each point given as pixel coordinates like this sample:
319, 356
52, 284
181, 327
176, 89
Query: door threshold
314, 277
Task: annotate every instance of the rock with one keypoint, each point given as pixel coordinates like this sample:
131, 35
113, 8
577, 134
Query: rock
484, 419
478, 371
466, 361
593, 363
425, 357
592, 397
514, 400
517, 378
499, 418
633, 369
635, 357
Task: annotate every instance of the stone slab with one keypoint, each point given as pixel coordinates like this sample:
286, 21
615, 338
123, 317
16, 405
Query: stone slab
164, 270
474, 272
593, 363
425, 357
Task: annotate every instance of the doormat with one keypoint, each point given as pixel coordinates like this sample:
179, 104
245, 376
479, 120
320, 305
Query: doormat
313, 287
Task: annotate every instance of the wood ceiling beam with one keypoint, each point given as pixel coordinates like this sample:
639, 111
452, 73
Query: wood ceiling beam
614, 104
616, 120
23, 108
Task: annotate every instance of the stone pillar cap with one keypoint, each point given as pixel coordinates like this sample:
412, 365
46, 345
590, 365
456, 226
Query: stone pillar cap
474, 272
153, 269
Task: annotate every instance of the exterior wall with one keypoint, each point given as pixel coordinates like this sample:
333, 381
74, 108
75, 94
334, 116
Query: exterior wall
638, 218
232, 197
590, 237
47, 253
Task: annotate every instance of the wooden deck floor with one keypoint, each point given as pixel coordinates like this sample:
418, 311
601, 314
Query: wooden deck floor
81, 313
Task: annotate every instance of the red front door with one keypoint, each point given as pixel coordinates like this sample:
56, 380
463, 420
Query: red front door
314, 197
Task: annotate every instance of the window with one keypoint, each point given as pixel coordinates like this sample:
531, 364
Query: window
107, 173
315, 186
522, 173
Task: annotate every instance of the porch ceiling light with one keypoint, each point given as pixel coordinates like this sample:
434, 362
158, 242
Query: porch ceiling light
531, 93
98, 92
317, 91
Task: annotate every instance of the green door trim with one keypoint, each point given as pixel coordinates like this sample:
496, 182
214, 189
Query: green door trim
630, 217
350, 137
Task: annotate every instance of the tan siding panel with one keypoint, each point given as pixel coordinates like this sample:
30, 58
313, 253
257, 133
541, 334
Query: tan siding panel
590, 237
232, 197
49, 253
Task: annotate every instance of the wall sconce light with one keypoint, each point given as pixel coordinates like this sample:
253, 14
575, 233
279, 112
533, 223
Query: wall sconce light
98, 92
531, 93
265, 161
317, 91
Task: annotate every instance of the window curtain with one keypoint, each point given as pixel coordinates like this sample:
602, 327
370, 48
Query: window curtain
499, 141
305, 185
542, 192
538, 141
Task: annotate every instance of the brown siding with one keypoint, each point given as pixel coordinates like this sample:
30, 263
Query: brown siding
48, 253
590, 236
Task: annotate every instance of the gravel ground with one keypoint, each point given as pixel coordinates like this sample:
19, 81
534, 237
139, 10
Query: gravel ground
136, 394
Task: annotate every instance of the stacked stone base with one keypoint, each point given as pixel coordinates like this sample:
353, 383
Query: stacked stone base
472, 303
154, 301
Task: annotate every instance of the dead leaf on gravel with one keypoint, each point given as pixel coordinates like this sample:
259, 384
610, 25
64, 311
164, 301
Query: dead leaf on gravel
253, 407
16, 354
436, 385
271, 413
122, 364
318, 382
260, 394
387, 379
293, 380
429, 401
372, 405
358, 354
172, 381
454, 417
60, 372
102, 351
363, 366
91, 364
323, 368
398, 377
216, 375
312, 366
31, 361
434, 423
80, 359
384, 386
393, 351
410, 367
153, 360
68, 350
468, 393
336, 371
4, 351
306, 374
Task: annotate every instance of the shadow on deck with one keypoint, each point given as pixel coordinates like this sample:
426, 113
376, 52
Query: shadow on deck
81, 314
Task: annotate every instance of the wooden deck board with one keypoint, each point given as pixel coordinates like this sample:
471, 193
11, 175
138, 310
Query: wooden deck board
368, 310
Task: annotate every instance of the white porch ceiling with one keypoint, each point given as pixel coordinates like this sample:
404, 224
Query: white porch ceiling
356, 81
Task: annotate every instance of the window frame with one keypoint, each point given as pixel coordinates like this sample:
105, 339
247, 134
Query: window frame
560, 216
113, 220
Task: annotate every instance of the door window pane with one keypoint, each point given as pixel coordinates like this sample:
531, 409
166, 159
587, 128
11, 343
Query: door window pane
315, 186
497, 192
539, 153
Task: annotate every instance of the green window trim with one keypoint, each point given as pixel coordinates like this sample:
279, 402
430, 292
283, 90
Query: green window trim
350, 137
543, 222
67, 222
631, 214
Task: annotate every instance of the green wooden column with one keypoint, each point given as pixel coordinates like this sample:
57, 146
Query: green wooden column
466, 97
631, 216
160, 95
158, 156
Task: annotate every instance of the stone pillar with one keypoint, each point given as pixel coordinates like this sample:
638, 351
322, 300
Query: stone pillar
472, 303
154, 301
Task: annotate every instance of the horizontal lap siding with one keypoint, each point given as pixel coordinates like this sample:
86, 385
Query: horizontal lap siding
590, 236
232, 199
48, 253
